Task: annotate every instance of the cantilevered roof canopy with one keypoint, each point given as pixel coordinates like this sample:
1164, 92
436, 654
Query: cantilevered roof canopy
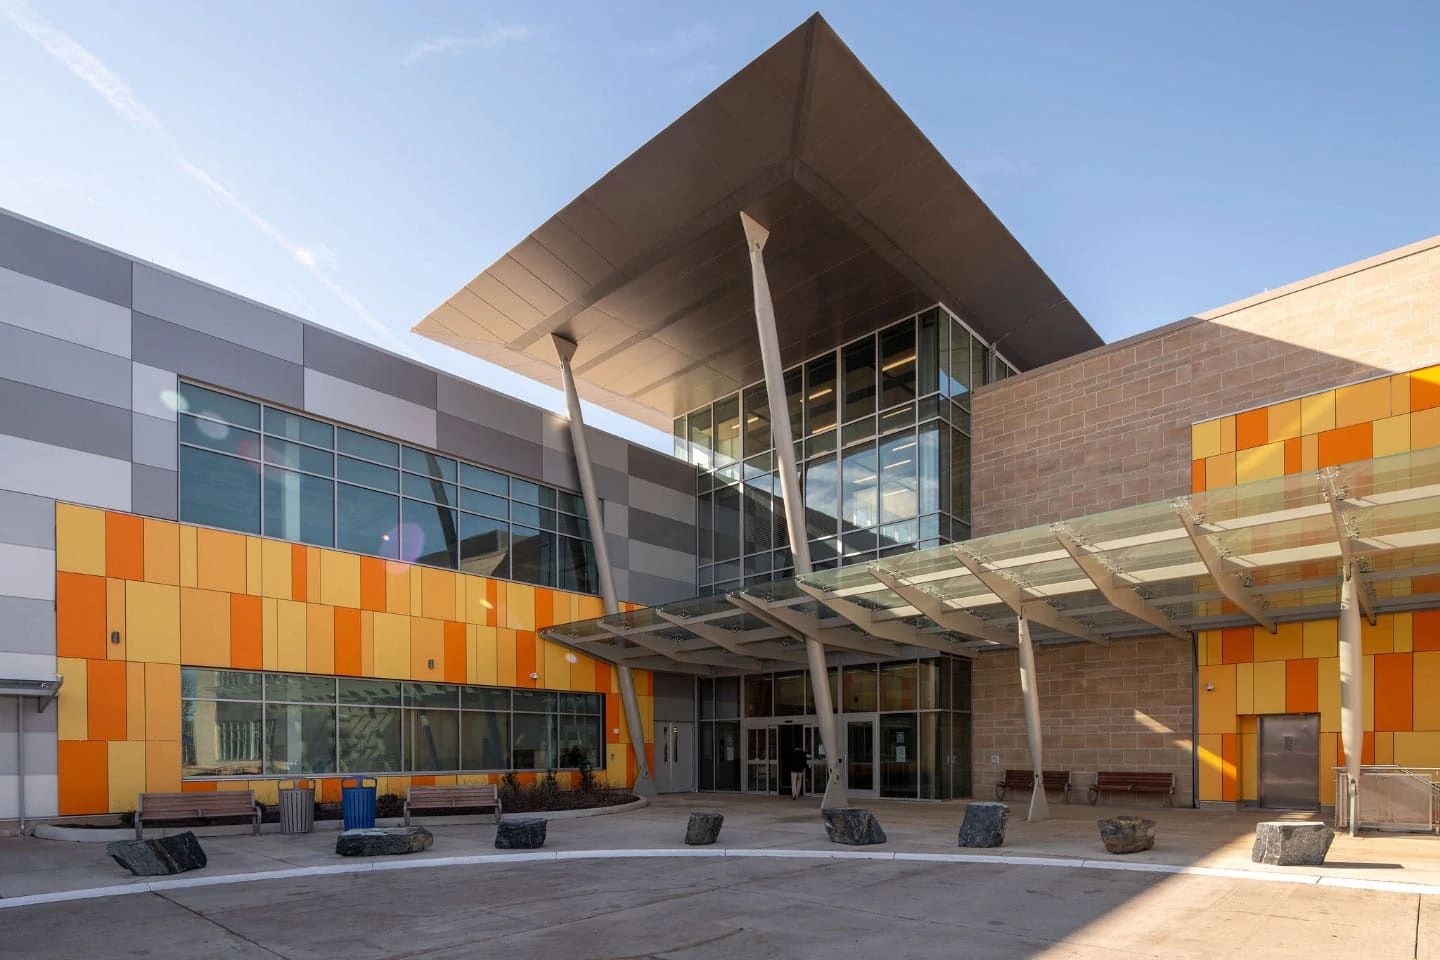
1266, 552
647, 271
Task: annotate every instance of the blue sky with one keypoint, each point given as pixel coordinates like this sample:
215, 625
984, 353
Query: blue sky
357, 163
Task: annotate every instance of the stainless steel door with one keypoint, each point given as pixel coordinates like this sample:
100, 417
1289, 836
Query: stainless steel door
674, 757
1290, 761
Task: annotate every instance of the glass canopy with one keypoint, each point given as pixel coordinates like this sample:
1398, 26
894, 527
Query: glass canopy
1265, 552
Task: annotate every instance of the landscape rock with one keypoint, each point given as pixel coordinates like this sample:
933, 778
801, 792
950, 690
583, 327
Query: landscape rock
160, 856
383, 841
1292, 843
1127, 834
853, 826
527, 834
704, 828
984, 824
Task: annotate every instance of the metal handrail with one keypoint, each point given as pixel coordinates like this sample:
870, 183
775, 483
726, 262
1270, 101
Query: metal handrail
1426, 778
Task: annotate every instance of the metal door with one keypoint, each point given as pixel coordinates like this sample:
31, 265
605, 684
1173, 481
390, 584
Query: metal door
674, 757
1290, 761
762, 760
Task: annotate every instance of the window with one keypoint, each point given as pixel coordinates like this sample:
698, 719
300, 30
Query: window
240, 723
262, 470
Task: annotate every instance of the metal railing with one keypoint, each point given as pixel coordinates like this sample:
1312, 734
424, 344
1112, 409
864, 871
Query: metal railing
1390, 798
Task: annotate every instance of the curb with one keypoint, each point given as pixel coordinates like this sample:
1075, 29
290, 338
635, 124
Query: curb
160, 886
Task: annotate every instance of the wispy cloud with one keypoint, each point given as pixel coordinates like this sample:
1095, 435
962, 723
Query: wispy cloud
86, 67
682, 42
489, 39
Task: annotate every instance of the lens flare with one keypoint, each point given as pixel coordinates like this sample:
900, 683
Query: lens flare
173, 401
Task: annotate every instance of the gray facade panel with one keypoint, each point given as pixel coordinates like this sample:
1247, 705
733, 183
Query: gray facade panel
55, 258
662, 501
662, 561
647, 527
27, 520
154, 442
155, 493
619, 551
216, 361
359, 363
41, 361
29, 625
617, 518
222, 315
62, 420
559, 469
608, 450
491, 448
674, 697
663, 470
651, 590
472, 402
54, 311
611, 484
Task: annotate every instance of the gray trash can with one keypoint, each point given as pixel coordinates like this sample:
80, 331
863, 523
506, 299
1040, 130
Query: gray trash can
297, 806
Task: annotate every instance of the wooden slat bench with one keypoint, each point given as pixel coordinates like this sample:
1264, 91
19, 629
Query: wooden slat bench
1023, 780
154, 807
452, 798
1133, 781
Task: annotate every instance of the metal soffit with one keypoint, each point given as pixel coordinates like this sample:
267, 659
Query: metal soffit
1265, 553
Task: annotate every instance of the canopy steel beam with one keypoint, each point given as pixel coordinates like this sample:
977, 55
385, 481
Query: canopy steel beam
1121, 595
802, 626
1026, 606
714, 658
942, 613
730, 640
896, 631
1350, 562
1232, 584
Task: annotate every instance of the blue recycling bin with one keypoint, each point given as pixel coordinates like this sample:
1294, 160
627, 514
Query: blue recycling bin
357, 803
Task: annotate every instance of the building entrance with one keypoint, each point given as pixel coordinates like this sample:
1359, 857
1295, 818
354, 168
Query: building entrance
674, 757
1290, 761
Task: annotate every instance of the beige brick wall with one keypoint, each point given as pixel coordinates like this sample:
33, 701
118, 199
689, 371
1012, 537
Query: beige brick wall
1111, 427
1121, 707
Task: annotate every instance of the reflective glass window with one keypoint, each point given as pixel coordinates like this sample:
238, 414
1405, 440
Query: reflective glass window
218, 406
428, 488
221, 739
928, 468
299, 507
727, 429
957, 371
897, 364
821, 497
979, 363
484, 740
368, 474
702, 443
369, 739
898, 685
858, 689
299, 688
292, 426
368, 447
297, 456
759, 695
859, 484
820, 399
532, 741
484, 546
927, 353
369, 521
428, 464
427, 534
200, 684
727, 523
795, 401
859, 359
575, 565
219, 436
219, 491
757, 420
899, 494
301, 739
434, 739
486, 481
532, 555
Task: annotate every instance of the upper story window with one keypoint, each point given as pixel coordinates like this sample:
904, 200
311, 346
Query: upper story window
257, 469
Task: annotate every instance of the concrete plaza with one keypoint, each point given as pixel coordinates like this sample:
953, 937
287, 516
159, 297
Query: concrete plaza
1075, 904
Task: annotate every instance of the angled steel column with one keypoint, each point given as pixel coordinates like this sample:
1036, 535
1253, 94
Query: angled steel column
565, 350
755, 237
1352, 712
1030, 691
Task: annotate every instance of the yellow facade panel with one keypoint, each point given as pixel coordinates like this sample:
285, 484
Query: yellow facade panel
1368, 687
437, 594
270, 633
220, 558
135, 705
417, 592
582, 673
127, 773
1329, 757
392, 646
557, 664
1400, 393
162, 552
1270, 687
320, 638
1227, 435
1205, 440
266, 791
1321, 638
477, 603
1217, 705
1425, 428
397, 588
1391, 435
314, 576
1310, 452
1417, 749
505, 656
588, 608
162, 766
162, 702
1209, 752
1284, 421
1329, 679
115, 619
1258, 463
1249, 766
1426, 680
73, 704
1404, 632
1362, 402
205, 627
1379, 638
1385, 748
427, 649
275, 581
254, 576
1317, 412
519, 606
188, 563
1244, 688
339, 578
484, 658
292, 620
1220, 471
152, 620
1286, 643
79, 539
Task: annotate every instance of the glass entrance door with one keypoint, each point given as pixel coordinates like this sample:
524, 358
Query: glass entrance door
762, 760
860, 756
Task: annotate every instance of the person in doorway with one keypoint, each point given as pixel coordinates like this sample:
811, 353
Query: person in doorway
799, 763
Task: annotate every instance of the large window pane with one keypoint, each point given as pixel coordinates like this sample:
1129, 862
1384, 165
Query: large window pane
427, 534
369, 521
486, 503
727, 697
757, 520
434, 739
219, 684
859, 507
535, 701
428, 488
300, 739
484, 546
928, 351
576, 565
299, 507
219, 436
795, 401
979, 364
820, 400
484, 741
727, 429
487, 481
580, 736
219, 739
898, 685
899, 755
705, 526
374, 692
702, 439
369, 739
897, 364
485, 698
218, 406
757, 420
860, 379
958, 371
368, 447
432, 695
291, 426
821, 497
858, 689
899, 497
427, 464
790, 700
533, 741
297, 688
532, 556
727, 756
727, 523
928, 471
368, 474
759, 696
219, 491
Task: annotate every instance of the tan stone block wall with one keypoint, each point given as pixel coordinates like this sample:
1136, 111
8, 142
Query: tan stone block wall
1122, 707
1111, 427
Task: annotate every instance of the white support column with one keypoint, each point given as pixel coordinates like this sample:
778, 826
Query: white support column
1352, 711
1030, 691
565, 350
755, 237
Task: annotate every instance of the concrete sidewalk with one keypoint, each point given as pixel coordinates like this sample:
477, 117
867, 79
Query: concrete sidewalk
30, 866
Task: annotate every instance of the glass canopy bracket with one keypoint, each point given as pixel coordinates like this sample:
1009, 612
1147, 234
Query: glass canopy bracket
1022, 600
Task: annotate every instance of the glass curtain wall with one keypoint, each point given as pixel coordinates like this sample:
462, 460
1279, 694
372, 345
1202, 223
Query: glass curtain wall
882, 429
258, 469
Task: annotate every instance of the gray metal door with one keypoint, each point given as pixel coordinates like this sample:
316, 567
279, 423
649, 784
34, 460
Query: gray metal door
674, 757
1290, 761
